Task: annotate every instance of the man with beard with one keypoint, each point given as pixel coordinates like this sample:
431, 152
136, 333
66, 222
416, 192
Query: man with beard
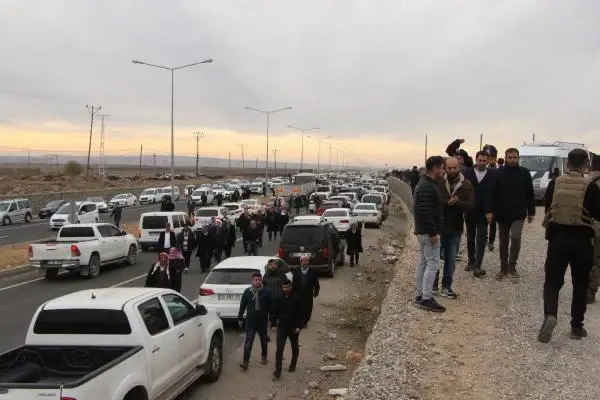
572, 203
205, 249
513, 201
595, 274
186, 242
306, 285
481, 179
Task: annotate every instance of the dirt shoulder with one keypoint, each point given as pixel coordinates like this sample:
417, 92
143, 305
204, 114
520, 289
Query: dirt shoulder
343, 317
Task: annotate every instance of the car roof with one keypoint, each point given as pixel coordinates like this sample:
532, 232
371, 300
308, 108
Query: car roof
209, 208
101, 298
245, 262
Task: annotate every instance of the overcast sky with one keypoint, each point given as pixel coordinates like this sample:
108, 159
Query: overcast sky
386, 71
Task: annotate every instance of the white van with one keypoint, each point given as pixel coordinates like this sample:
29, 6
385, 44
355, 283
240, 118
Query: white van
87, 213
16, 210
166, 191
153, 223
150, 196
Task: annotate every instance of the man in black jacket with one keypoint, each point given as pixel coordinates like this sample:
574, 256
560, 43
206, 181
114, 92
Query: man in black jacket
415, 175
306, 285
186, 242
492, 153
429, 225
572, 205
166, 239
116, 213
482, 179
256, 304
454, 150
286, 317
512, 201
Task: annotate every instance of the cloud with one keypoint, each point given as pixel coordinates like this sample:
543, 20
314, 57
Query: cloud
384, 72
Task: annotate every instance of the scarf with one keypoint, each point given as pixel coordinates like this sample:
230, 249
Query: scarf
157, 267
175, 254
256, 297
459, 183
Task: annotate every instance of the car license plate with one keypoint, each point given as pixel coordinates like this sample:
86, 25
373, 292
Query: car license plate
229, 296
301, 255
53, 262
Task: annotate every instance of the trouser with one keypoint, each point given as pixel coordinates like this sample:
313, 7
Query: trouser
429, 263
307, 307
253, 248
254, 327
283, 334
187, 255
218, 253
449, 245
565, 249
477, 230
509, 231
297, 210
117, 221
260, 238
272, 233
204, 261
492, 235
595, 272
228, 250
353, 257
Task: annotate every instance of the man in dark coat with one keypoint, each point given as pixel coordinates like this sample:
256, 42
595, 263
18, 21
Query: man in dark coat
284, 218
243, 222
354, 243
415, 175
176, 268
116, 213
253, 235
158, 275
298, 204
260, 224
271, 220
219, 198
186, 242
306, 285
274, 276
166, 239
205, 249
231, 238
255, 303
220, 240
454, 150
190, 207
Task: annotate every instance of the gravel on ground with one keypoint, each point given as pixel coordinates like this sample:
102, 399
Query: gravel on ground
485, 345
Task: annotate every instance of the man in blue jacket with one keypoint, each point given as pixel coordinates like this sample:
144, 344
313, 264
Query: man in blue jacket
256, 303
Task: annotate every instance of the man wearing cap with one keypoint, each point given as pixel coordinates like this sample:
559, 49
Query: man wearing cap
595, 274
572, 204
306, 285
454, 150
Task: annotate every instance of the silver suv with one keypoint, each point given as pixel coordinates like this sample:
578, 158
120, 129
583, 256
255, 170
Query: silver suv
16, 210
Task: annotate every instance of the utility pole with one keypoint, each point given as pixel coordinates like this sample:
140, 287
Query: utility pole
229, 164
198, 135
256, 162
93, 111
426, 148
480, 141
243, 146
141, 152
155, 164
275, 151
28, 159
330, 156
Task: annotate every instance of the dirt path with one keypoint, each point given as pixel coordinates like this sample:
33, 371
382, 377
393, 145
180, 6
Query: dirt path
344, 314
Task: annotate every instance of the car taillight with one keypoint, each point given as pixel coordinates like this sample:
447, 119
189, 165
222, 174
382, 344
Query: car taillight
30, 251
206, 292
326, 252
344, 221
75, 251
67, 398
281, 252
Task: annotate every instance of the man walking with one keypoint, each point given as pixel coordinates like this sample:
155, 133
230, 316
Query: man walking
513, 201
595, 274
286, 317
186, 242
231, 237
492, 153
354, 243
205, 249
573, 203
415, 175
116, 213
255, 303
166, 239
252, 238
456, 194
429, 222
306, 285
481, 179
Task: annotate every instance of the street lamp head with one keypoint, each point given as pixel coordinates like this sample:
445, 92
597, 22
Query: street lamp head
207, 61
136, 62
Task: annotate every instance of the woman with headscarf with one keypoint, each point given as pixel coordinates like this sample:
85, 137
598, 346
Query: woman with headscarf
354, 243
159, 275
176, 267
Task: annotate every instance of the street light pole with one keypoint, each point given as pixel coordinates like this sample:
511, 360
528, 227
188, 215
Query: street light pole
319, 153
198, 135
268, 114
207, 61
242, 146
303, 130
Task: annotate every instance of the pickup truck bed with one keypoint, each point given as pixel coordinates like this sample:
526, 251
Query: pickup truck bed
54, 366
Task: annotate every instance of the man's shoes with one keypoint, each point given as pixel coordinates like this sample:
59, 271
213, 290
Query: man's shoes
514, 274
418, 299
545, 334
491, 247
478, 272
449, 293
501, 275
263, 360
591, 298
578, 333
276, 375
244, 366
291, 368
470, 267
431, 305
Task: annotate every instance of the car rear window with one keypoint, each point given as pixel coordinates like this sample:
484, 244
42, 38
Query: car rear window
231, 276
365, 207
323, 189
231, 207
329, 205
76, 231
372, 199
335, 214
82, 322
302, 234
207, 213
154, 221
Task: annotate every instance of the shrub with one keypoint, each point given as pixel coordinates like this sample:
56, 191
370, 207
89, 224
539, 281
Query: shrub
73, 168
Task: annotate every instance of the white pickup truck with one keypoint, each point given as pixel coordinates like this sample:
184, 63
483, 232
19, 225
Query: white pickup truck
114, 344
83, 247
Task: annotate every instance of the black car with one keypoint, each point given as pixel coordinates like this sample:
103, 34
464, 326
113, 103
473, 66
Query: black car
317, 239
50, 208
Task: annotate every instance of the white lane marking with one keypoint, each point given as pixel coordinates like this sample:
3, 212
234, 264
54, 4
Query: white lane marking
24, 225
3, 237
27, 282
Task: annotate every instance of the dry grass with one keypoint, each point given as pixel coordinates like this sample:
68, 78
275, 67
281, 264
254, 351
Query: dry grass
17, 255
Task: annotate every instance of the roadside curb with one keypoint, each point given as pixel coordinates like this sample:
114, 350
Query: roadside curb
21, 269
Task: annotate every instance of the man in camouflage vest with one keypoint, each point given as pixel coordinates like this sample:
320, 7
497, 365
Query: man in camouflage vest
572, 204
595, 274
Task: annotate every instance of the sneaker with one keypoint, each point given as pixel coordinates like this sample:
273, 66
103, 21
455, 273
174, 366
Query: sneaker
491, 247
578, 333
418, 299
501, 275
514, 274
449, 293
591, 298
291, 368
244, 366
276, 376
470, 267
263, 360
478, 272
432, 305
545, 334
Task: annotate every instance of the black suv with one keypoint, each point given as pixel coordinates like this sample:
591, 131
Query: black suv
317, 239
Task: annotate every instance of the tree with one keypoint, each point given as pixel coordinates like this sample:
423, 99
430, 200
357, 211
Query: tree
73, 168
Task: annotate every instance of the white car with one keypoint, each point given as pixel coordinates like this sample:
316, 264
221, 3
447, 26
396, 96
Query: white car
204, 215
367, 213
85, 212
235, 211
218, 188
115, 343
256, 187
254, 206
351, 195
341, 218
197, 196
100, 203
153, 223
325, 191
166, 191
124, 200
223, 287
150, 196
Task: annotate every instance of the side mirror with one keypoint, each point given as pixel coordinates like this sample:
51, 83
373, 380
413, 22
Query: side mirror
201, 310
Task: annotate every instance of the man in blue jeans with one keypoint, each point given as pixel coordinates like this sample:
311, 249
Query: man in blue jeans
456, 195
429, 225
256, 304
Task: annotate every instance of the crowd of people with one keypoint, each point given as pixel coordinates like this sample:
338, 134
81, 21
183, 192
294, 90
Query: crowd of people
458, 193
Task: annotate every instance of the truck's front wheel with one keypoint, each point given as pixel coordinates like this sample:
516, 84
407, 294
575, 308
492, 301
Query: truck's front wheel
214, 364
51, 273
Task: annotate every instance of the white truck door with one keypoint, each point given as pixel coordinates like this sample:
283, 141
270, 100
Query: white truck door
119, 242
188, 327
163, 360
107, 243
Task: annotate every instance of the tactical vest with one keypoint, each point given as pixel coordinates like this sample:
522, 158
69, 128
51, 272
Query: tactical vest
567, 201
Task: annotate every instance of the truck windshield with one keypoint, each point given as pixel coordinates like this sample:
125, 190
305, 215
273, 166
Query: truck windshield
82, 322
537, 163
76, 232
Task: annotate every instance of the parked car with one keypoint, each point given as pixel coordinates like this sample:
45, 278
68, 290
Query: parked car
85, 213
15, 210
153, 223
368, 213
150, 196
49, 209
84, 248
114, 343
124, 200
203, 216
341, 218
235, 211
222, 289
345, 203
256, 187
100, 203
318, 240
